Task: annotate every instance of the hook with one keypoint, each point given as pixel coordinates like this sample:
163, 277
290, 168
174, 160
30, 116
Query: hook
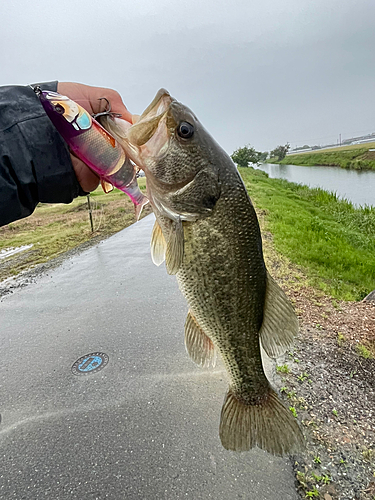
106, 112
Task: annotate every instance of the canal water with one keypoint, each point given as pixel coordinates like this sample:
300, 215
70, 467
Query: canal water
357, 186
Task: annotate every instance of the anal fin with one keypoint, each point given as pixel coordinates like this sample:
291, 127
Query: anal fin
280, 323
158, 245
198, 345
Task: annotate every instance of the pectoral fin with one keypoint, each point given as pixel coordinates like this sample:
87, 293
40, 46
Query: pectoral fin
175, 248
280, 323
158, 245
199, 347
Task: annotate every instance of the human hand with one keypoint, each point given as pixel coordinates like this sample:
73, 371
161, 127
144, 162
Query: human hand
89, 98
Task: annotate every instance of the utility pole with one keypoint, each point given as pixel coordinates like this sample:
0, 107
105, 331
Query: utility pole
340, 139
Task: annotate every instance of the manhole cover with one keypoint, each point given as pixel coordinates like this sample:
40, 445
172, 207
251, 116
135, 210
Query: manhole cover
90, 363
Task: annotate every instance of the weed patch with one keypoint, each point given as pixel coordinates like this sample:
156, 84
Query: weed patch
283, 369
363, 352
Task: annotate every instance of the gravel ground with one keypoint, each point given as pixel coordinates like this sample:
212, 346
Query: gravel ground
331, 386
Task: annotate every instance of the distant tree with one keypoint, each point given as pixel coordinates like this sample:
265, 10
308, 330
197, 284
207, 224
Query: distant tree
281, 151
263, 156
243, 156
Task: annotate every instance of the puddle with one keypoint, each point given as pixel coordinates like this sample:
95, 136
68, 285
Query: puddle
8, 252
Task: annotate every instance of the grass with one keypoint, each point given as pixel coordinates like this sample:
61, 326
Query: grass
294, 411
306, 482
282, 369
314, 493
363, 352
55, 228
356, 157
331, 240
340, 339
369, 455
304, 376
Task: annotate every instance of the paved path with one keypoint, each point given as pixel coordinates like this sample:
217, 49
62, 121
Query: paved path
146, 425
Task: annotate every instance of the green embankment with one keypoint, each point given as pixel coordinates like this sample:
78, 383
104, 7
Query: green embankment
356, 157
333, 241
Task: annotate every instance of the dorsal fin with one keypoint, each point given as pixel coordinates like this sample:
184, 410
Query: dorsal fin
280, 323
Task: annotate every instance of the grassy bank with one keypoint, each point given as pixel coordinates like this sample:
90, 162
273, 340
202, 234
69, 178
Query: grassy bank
356, 157
332, 241
55, 229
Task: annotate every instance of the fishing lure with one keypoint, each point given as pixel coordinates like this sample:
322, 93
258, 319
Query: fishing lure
93, 145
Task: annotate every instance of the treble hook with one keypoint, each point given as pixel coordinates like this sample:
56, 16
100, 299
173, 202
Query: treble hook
106, 112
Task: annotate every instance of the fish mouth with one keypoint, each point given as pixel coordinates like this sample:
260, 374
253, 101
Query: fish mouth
147, 124
149, 137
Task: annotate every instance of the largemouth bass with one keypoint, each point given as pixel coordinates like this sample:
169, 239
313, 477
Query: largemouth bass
207, 232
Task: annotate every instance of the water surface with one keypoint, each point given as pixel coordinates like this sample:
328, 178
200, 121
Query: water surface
7, 252
357, 186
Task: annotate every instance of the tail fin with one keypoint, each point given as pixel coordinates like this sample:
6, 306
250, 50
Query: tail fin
268, 425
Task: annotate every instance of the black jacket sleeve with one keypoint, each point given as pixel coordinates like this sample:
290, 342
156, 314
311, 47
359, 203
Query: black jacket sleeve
35, 164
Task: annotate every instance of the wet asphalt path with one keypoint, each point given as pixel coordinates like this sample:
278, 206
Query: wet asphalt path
146, 425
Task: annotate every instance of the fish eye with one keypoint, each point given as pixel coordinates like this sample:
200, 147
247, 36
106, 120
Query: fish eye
59, 109
185, 130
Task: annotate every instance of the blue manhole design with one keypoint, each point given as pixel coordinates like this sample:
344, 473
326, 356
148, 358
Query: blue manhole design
90, 363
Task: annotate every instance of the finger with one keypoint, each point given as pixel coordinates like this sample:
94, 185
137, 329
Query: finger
87, 179
90, 98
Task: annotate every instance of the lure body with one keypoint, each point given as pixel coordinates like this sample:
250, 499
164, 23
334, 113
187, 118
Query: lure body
90, 142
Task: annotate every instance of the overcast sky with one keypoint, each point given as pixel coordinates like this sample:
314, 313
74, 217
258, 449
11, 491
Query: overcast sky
262, 72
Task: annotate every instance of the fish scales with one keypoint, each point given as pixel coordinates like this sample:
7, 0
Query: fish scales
223, 278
